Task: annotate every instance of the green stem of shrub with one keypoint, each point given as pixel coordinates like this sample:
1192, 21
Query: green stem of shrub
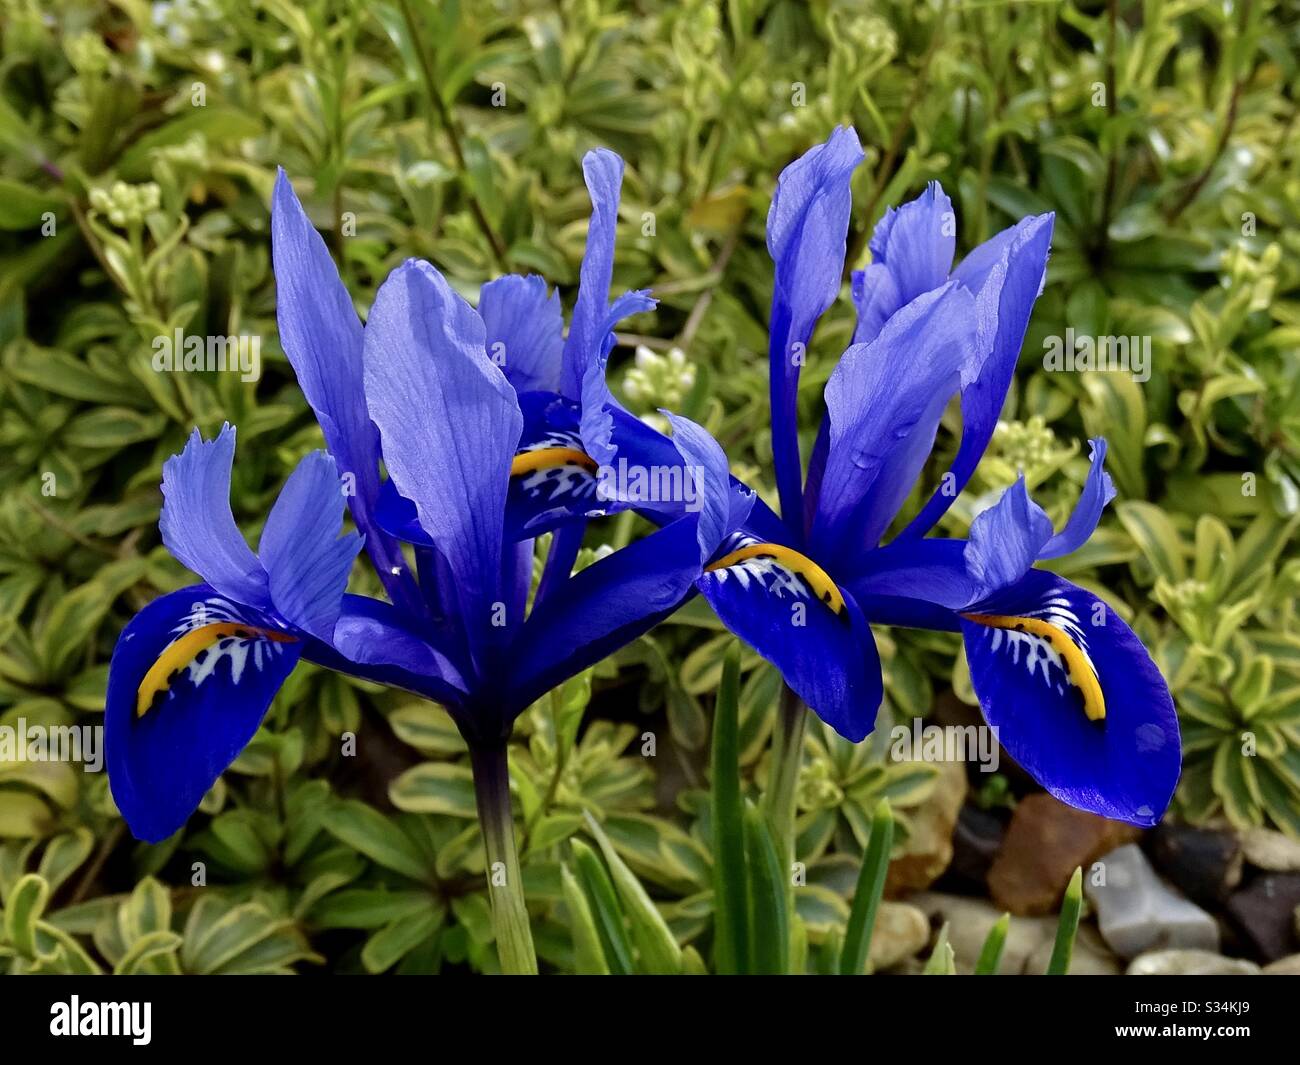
783, 781
505, 884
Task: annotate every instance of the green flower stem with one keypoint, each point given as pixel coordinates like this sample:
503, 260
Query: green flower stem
505, 884
783, 778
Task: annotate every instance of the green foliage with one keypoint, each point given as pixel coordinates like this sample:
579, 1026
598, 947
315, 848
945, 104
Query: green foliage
139, 154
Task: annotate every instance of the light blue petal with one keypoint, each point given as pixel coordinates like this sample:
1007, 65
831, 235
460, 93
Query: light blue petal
450, 425
525, 331
884, 401
1098, 490
197, 525
603, 171
305, 558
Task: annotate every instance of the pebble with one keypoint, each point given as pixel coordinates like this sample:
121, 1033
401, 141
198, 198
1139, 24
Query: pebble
1137, 912
1045, 842
1190, 963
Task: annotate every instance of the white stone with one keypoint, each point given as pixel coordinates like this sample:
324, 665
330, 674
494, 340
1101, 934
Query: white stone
1137, 912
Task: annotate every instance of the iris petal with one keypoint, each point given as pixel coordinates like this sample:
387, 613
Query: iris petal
1006, 538
1098, 490
1006, 274
1123, 767
162, 762
306, 560
197, 525
916, 241
829, 659
525, 331
542, 498
603, 172
876, 296
322, 337
884, 401
377, 641
450, 424
807, 227
603, 607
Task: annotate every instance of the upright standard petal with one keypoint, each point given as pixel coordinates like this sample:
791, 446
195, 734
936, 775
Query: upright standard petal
197, 525
1006, 274
884, 401
1005, 539
603, 172
450, 425
915, 242
525, 331
322, 337
189, 683
306, 560
876, 296
807, 226
1098, 490
1075, 698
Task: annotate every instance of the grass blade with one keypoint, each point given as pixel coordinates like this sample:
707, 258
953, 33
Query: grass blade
1067, 927
604, 906
730, 895
991, 951
942, 962
769, 930
866, 896
656, 946
588, 954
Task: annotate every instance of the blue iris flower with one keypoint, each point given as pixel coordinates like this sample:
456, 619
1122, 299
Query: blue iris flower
492, 427
1075, 697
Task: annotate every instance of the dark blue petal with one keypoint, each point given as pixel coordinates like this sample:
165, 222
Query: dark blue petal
322, 337
162, 762
1125, 767
603, 171
306, 560
525, 331
930, 571
806, 229
1006, 274
602, 608
884, 401
1098, 490
398, 517
379, 642
197, 525
829, 659
543, 499
450, 425
1006, 538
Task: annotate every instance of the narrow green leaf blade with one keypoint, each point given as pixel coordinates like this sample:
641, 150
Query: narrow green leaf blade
991, 951
604, 905
1067, 926
588, 955
769, 932
867, 895
730, 895
656, 945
